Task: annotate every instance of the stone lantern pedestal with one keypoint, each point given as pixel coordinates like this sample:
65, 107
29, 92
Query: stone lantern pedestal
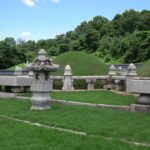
41, 85
40, 88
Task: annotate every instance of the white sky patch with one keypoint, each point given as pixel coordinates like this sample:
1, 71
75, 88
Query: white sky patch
26, 33
56, 1
30, 3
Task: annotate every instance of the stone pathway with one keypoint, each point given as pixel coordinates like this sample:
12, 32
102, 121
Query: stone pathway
70, 131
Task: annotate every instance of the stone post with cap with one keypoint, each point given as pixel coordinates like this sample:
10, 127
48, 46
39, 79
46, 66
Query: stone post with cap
41, 85
17, 89
131, 73
112, 72
68, 81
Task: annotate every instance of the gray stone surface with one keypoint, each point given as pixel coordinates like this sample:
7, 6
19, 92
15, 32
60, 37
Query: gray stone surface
41, 85
112, 70
131, 71
130, 76
17, 89
140, 108
68, 81
139, 86
90, 83
18, 71
16, 80
144, 99
117, 85
7, 95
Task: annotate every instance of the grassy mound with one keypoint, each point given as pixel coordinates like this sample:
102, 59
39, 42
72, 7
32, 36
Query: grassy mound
81, 64
144, 69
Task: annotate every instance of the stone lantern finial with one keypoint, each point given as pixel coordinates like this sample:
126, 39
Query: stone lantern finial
112, 70
68, 70
18, 71
132, 70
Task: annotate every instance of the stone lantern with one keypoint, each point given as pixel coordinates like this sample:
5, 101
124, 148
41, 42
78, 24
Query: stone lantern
41, 85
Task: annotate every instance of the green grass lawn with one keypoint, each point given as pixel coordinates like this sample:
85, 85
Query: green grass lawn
104, 122
144, 69
19, 136
97, 97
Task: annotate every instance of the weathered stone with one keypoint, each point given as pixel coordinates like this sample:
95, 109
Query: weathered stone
139, 86
144, 99
30, 73
117, 85
90, 83
16, 89
41, 85
68, 81
130, 75
132, 70
108, 87
120, 70
140, 108
18, 71
112, 70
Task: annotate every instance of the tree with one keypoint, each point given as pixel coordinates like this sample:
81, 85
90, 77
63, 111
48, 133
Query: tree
91, 40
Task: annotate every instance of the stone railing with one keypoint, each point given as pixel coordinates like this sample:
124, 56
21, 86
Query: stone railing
19, 82
123, 68
19, 79
111, 79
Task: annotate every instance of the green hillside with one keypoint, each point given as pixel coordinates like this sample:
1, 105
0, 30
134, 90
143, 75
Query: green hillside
81, 64
144, 69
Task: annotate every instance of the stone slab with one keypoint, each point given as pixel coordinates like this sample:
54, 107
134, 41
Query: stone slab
140, 108
139, 86
16, 80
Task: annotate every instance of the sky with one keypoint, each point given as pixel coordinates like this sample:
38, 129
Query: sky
44, 19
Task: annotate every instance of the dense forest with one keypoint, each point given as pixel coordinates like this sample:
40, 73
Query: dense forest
125, 38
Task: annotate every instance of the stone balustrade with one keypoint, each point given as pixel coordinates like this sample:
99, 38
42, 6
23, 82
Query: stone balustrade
20, 82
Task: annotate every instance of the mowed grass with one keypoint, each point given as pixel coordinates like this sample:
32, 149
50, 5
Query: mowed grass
19, 136
96, 97
81, 64
94, 121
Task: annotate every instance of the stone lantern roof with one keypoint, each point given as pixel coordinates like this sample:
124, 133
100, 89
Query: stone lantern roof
42, 63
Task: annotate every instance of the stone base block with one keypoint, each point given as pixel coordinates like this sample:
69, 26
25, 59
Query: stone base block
144, 99
40, 105
108, 87
140, 108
